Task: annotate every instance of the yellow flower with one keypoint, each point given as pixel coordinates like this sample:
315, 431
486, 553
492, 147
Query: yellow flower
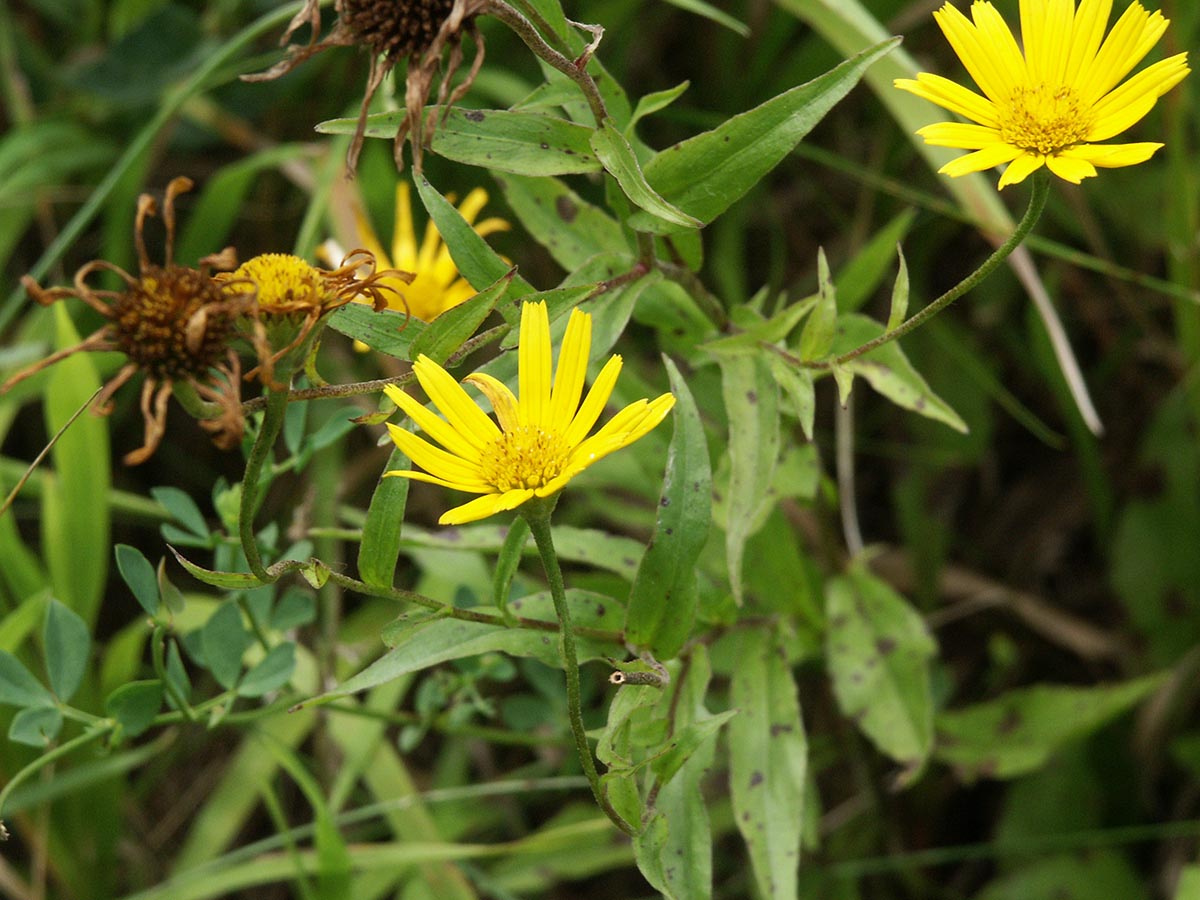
542, 440
1051, 104
437, 285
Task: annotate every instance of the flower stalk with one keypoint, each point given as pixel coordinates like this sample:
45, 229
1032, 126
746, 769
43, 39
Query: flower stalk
537, 513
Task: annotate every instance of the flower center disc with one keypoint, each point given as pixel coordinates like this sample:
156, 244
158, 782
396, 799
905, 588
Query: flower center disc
396, 29
286, 284
525, 458
1043, 119
171, 323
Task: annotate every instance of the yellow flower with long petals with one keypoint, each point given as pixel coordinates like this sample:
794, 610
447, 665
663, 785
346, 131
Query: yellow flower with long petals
1051, 104
438, 286
541, 441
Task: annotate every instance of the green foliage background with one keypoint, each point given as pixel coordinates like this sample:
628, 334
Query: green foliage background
995, 699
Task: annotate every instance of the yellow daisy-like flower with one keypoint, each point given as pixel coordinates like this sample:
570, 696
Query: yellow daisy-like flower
1051, 104
437, 285
541, 441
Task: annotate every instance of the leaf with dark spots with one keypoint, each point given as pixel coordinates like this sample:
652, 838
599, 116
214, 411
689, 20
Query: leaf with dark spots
756, 778
473, 115
566, 209
885, 646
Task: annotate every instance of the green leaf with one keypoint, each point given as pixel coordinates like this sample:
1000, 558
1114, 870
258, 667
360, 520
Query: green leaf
899, 308
273, 671
386, 331
768, 763
859, 278
1188, 887
708, 11
888, 370
878, 651
817, 336
35, 727
705, 174
751, 397
139, 576
224, 639
447, 332
295, 608
1019, 732
182, 508
501, 140
621, 747
75, 509
18, 687
682, 858
380, 546
238, 581
570, 228
68, 646
652, 103
798, 384
662, 602
619, 160
474, 259
685, 742
135, 705
431, 641
508, 562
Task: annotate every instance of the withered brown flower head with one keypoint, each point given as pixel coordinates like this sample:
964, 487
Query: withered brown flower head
289, 298
173, 323
393, 30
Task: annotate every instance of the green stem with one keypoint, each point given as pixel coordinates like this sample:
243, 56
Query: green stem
263, 444
537, 513
1037, 203
158, 655
42, 761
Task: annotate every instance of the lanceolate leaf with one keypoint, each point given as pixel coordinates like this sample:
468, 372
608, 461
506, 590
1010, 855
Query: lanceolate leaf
662, 603
878, 652
768, 763
614, 151
1018, 732
432, 641
478, 263
447, 332
888, 370
18, 687
752, 405
380, 546
387, 331
705, 174
522, 142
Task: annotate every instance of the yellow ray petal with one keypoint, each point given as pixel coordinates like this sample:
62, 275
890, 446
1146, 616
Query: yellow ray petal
1127, 104
997, 39
404, 238
504, 404
433, 425
977, 58
369, 241
533, 364
474, 202
1131, 38
412, 475
1070, 169
981, 160
952, 96
1113, 156
960, 135
594, 402
571, 371
455, 403
482, 507
1090, 21
1021, 168
435, 460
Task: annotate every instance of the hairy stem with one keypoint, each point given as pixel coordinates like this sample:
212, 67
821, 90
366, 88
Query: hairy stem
259, 454
537, 513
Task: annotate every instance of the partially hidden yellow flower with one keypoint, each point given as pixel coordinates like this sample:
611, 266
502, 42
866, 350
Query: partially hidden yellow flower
437, 285
541, 441
1051, 104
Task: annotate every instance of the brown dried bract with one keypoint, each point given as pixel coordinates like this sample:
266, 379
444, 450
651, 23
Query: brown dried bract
392, 30
173, 323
